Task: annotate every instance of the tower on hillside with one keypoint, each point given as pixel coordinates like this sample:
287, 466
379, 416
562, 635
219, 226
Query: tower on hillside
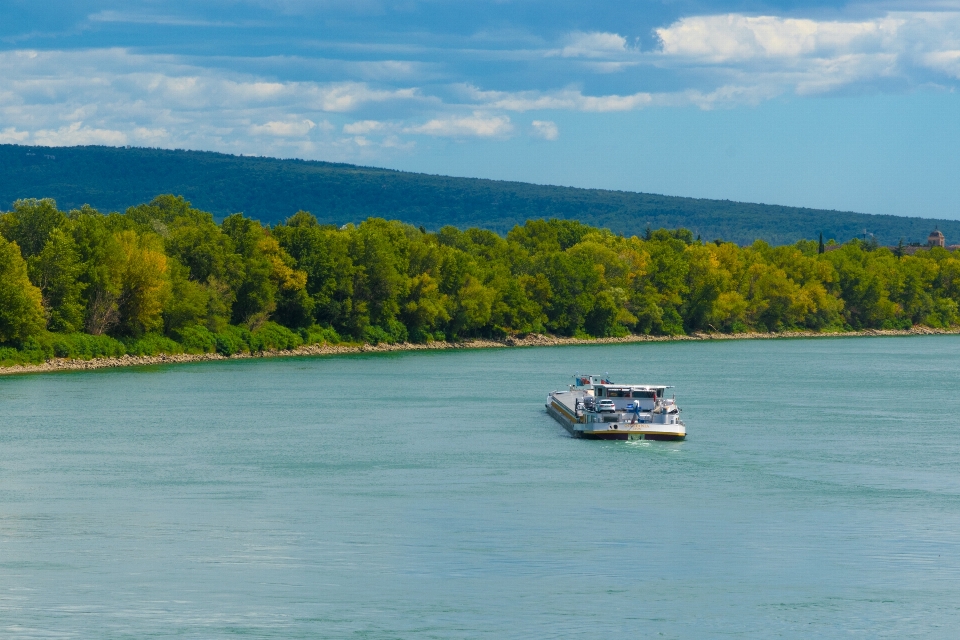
936, 239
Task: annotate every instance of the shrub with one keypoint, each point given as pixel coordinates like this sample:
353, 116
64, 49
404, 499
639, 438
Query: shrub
153, 344
10, 356
274, 336
35, 351
232, 340
84, 346
376, 335
197, 339
393, 332
420, 336
319, 335
397, 330
897, 323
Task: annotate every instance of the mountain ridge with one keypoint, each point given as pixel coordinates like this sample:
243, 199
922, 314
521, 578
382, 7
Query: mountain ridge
272, 189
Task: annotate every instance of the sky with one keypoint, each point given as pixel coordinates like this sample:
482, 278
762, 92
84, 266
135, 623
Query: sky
836, 105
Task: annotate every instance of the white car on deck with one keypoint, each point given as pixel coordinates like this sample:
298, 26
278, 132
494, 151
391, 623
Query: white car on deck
606, 406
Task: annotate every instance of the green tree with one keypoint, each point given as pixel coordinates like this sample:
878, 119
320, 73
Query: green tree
30, 224
704, 283
21, 307
101, 264
379, 250
657, 296
165, 210
323, 253
58, 271
257, 292
862, 285
188, 303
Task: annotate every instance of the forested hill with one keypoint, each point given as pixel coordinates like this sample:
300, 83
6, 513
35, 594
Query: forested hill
271, 190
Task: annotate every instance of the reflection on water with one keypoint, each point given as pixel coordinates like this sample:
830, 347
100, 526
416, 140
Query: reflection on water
429, 495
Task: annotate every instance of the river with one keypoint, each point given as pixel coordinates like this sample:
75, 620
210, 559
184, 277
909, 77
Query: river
428, 495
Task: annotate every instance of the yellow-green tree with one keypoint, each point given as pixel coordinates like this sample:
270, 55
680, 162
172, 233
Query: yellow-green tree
144, 282
21, 309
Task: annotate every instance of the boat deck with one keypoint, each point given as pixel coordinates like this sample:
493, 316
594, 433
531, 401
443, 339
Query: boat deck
562, 406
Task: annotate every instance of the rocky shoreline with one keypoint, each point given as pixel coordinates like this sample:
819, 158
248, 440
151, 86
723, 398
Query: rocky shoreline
533, 340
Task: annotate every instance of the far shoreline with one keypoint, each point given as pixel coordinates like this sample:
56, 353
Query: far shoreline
533, 340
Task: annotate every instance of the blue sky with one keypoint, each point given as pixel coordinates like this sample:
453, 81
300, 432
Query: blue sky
822, 104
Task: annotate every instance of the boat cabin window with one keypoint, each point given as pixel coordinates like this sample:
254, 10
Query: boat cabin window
618, 393
640, 393
600, 391
659, 393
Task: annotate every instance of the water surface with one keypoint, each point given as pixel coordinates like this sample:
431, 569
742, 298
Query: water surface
428, 495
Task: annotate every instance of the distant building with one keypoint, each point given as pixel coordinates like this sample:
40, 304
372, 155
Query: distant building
936, 239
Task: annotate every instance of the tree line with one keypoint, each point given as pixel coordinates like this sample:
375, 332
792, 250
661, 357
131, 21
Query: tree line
166, 277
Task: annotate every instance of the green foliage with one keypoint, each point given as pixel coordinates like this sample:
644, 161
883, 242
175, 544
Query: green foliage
57, 272
274, 336
30, 224
34, 350
319, 335
271, 283
165, 278
322, 253
85, 346
232, 340
197, 339
21, 308
10, 356
143, 283
152, 344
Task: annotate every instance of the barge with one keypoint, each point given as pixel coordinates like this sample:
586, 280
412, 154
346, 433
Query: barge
596, 408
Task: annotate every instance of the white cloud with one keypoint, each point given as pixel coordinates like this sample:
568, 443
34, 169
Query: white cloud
288, 128
736, 37
10, 135
608, 66
364, 126
95, 77
594, 45
730, 95
597, 51
545, 129
946, 61
811, 56
150, 136
348, 96
478, 125
566, 99
114, 96
77, 134
117, 96
394, 142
